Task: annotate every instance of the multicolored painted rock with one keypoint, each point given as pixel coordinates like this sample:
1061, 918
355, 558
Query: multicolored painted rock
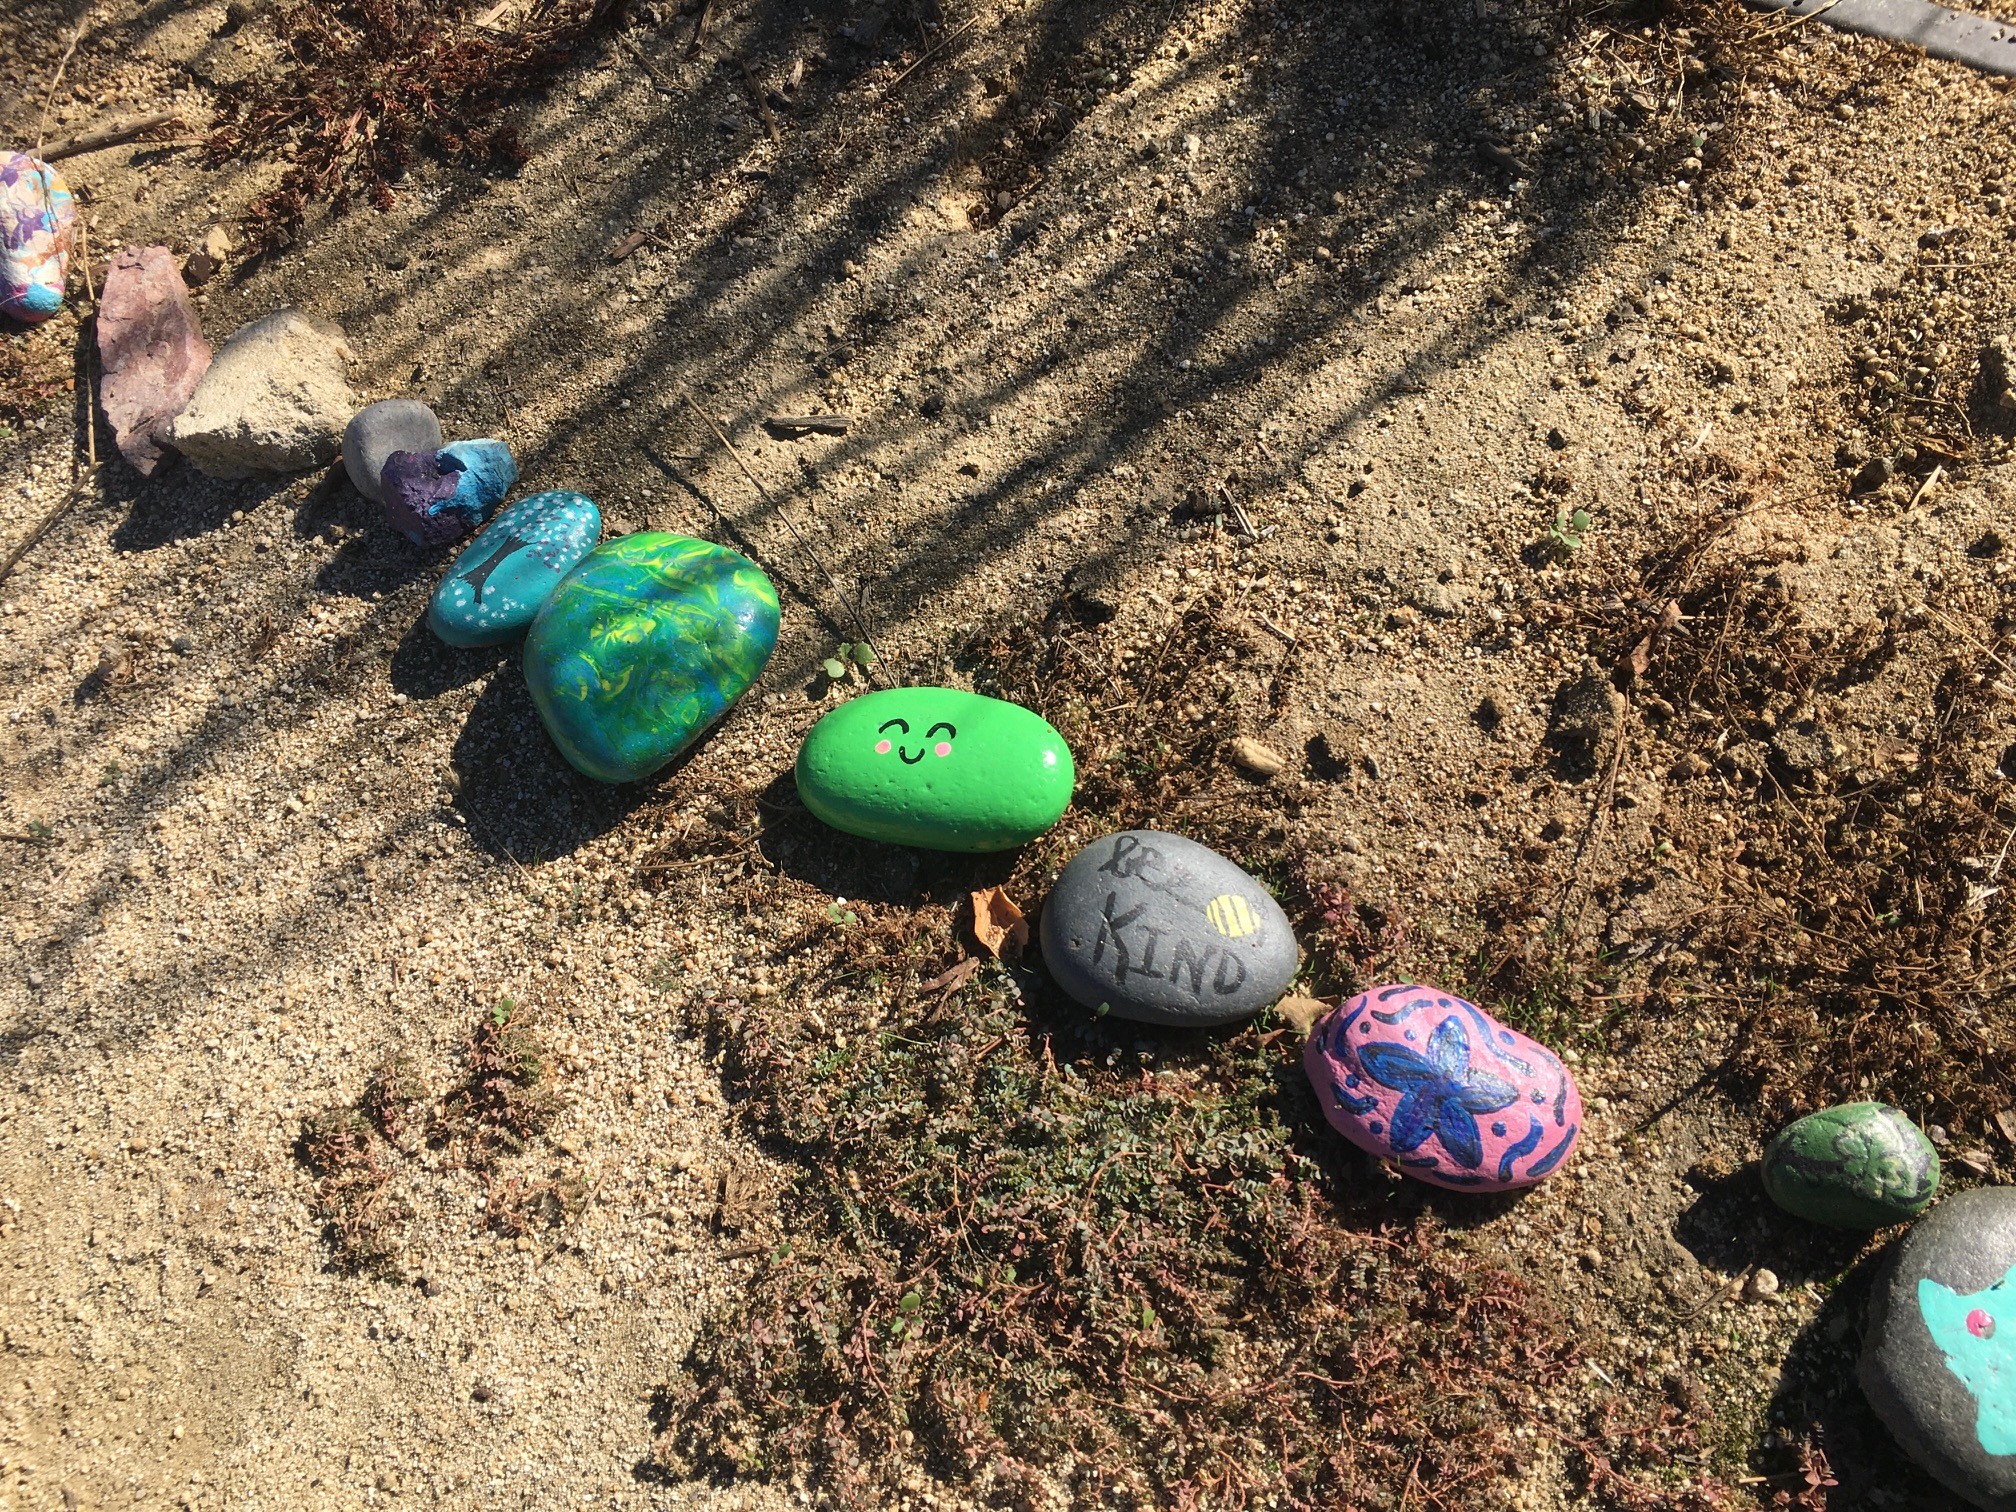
1939, 1346
643, 646
38, 217
1442, 1089
502, 577
1162, 930
432, 498
938, 768
1859, 1166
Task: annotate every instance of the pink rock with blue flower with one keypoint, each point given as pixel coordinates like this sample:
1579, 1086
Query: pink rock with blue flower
1436, 1085
38, 217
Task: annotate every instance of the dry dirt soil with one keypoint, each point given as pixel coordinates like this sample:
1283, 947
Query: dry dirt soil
1410, 283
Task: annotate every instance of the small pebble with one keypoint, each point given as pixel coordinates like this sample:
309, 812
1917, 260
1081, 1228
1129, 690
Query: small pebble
1255, 757
1762, 1283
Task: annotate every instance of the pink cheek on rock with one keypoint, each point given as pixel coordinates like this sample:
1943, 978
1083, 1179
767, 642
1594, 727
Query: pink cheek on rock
881, 748
1980, 1324
943, 748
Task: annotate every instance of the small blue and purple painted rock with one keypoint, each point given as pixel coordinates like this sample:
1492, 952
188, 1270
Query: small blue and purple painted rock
502, 577
1443, 1090
432, 498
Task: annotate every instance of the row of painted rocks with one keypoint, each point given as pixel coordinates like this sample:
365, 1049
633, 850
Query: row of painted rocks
633, 648
1156, 928
1939, 1348
1159, 929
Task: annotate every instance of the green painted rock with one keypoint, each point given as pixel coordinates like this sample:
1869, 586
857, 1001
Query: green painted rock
643, 646
1860, 1166
938, 768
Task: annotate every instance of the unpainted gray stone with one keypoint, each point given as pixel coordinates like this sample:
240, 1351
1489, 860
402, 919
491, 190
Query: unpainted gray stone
378, 430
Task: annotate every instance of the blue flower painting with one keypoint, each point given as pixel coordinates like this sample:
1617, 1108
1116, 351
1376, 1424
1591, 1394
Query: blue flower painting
1440, 1093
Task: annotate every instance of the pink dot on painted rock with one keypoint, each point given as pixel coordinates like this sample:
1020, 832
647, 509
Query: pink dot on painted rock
1446, 1093
1980, 1324
881, 748
943, 748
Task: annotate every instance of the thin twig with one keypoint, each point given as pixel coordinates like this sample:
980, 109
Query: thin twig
1599, 810
41, 529
1245, 525
79, 483
762, 105
42, 128
852, 605
645, 63
90, 346
1796, 21
1722, 1293
930, 53
115, 135
700, 30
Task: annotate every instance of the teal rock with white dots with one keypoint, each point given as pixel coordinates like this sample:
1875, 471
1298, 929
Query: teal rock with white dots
502, 577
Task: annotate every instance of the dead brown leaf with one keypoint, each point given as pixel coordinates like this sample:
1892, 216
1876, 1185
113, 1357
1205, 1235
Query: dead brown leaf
951, 981
1301, 1013
996, 921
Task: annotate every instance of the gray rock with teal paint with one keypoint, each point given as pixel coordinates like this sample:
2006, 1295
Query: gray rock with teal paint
378, 430
1939, 1348
647, 642
1158, 928
1859, 1166
503, 576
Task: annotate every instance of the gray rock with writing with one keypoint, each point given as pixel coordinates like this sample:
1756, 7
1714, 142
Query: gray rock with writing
1160, 929
1939, 1352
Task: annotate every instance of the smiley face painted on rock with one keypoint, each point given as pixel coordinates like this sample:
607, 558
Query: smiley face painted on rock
883, 766
937, 741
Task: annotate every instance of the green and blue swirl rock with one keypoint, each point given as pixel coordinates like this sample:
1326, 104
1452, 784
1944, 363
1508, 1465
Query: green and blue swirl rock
644, 645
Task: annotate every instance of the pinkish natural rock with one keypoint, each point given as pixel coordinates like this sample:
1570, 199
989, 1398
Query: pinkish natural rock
151, 350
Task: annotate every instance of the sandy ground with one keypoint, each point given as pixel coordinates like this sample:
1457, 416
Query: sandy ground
290, 834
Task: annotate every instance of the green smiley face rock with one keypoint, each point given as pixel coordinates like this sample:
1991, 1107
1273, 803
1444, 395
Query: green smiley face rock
937, 768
